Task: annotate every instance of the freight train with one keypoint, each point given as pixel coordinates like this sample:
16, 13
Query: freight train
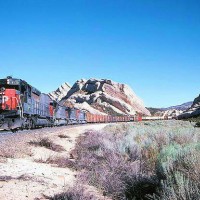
25, 107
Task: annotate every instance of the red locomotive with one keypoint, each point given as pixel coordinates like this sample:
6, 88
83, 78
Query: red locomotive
23, 106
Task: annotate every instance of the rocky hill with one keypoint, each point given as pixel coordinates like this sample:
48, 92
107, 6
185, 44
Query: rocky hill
181, 107
193, 111
172, 111
154, 110
60, 92
101, 97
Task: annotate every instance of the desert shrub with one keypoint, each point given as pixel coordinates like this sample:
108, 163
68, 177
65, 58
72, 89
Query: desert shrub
197, 124
179, 171
112, 163
140, 161
47, 143
176, 187
63, 136
193, 119
66, 196
6, 178
154, 160
77, 192
59, 161
118, 128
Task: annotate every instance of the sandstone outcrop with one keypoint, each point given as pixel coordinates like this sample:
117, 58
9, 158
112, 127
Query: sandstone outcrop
173, 113
60, 92
104, 97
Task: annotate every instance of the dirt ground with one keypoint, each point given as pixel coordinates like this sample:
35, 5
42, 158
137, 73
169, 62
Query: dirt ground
24, 178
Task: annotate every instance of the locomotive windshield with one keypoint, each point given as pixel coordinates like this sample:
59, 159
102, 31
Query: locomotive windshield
16, 87
22, 86
10, 83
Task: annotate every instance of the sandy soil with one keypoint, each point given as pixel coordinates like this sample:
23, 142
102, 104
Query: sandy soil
24, 178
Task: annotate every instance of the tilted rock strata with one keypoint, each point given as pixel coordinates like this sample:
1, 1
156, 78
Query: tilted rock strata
60, 92
104, 96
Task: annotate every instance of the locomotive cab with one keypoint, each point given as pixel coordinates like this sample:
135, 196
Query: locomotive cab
23, 106
14, 93
10, 102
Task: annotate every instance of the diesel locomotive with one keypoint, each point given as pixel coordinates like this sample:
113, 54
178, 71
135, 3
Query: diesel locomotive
25, 107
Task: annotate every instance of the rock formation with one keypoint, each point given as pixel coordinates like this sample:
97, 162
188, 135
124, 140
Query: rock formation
193, 111
103, 97
172, 113
60, 92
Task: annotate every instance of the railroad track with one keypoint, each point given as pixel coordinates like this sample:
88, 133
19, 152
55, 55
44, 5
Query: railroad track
6, 132
44, 129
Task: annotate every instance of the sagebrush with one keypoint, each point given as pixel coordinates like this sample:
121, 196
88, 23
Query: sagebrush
149, 160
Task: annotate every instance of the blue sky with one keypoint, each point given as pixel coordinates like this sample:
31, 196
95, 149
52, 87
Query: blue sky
151, 45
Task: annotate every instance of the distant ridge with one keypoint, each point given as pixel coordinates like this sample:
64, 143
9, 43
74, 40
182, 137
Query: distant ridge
172, 111
182, 107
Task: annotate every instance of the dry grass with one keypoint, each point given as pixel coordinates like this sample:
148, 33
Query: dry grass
6, 178
47, 143
23, 177
15, 146
63, 136
59, 161
19, 145
79, 192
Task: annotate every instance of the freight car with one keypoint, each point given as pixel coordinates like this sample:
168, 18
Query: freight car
24, 107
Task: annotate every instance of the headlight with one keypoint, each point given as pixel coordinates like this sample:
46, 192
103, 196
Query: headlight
2, 89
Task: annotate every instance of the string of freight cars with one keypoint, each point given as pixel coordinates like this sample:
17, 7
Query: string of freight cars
24, 107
